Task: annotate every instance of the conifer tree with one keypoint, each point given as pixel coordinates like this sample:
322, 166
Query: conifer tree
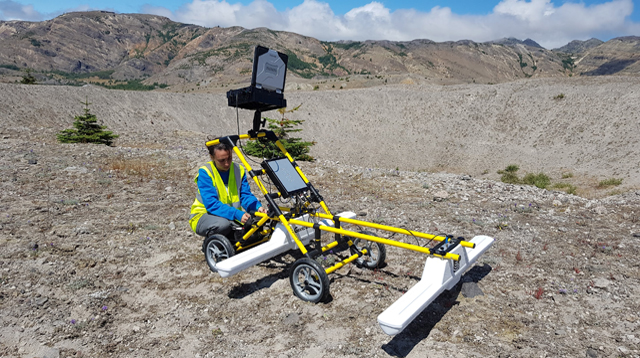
87, 130
28, 78
297, 148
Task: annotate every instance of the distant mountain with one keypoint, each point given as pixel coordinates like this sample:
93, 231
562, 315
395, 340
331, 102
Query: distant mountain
619, 56
577, 46
123, 50
510, 41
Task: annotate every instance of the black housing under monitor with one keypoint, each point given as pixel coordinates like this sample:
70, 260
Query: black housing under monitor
267, 83
284, 176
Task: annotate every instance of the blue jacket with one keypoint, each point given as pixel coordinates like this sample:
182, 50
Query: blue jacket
211, 200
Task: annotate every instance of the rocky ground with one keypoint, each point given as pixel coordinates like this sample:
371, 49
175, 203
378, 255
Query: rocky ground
97, 258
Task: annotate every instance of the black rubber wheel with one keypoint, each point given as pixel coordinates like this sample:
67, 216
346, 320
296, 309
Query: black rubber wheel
376, 252
217, 248
309, 281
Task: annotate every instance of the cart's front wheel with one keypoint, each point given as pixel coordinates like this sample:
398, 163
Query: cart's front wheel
309, 281
217, 248
376, 252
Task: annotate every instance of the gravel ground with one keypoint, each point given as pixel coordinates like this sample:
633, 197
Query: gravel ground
98, 260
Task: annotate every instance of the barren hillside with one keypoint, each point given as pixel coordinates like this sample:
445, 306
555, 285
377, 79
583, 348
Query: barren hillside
127, 49
587, 126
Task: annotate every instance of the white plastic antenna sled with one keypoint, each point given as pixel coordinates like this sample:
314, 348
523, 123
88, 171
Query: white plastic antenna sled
438, 275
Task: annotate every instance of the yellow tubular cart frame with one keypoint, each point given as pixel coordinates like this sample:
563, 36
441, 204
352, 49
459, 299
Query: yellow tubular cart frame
308, 278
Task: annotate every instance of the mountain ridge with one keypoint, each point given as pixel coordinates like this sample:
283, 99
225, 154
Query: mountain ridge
111, 48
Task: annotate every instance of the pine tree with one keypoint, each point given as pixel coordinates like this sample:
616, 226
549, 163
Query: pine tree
28, 78
87, 130
297, 148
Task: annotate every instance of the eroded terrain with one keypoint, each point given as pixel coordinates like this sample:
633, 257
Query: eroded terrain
98, 260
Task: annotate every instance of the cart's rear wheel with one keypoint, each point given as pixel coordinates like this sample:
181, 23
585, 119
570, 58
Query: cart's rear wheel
308, 280
217, 248
376, 252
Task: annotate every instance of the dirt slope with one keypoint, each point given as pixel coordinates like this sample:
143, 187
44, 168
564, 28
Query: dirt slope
590, 132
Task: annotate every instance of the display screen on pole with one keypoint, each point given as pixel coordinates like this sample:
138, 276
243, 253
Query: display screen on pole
285, 176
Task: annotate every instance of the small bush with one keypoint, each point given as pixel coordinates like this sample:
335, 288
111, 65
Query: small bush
87, 130
540, 180
609, 182
510, 178
511, 168
567, 175
558, 97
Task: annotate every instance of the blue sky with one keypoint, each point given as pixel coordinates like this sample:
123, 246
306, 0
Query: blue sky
550, 23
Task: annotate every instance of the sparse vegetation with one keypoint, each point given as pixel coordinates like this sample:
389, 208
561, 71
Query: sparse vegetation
170, 31
299, 67
28, 78
347, 46
10, 67
567, 62
131, 166
509, 175
131, 85
559, 97
540, 180
609, 182
103, 75
567, 187
231, 53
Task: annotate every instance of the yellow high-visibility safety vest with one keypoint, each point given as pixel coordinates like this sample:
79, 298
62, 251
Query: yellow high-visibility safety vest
227, 195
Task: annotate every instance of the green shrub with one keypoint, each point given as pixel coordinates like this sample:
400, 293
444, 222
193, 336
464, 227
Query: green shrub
567, 175
297, 148
510, 178
540, 180
560, 96
609, 182
512, 168
87, 130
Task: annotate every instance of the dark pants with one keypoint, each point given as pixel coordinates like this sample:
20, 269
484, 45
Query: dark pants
211, 224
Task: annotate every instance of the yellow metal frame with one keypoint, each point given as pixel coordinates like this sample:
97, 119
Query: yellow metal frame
287, 223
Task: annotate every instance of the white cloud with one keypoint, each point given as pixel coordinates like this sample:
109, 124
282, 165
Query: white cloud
540, 20
11, 10
533, 11
549, 24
